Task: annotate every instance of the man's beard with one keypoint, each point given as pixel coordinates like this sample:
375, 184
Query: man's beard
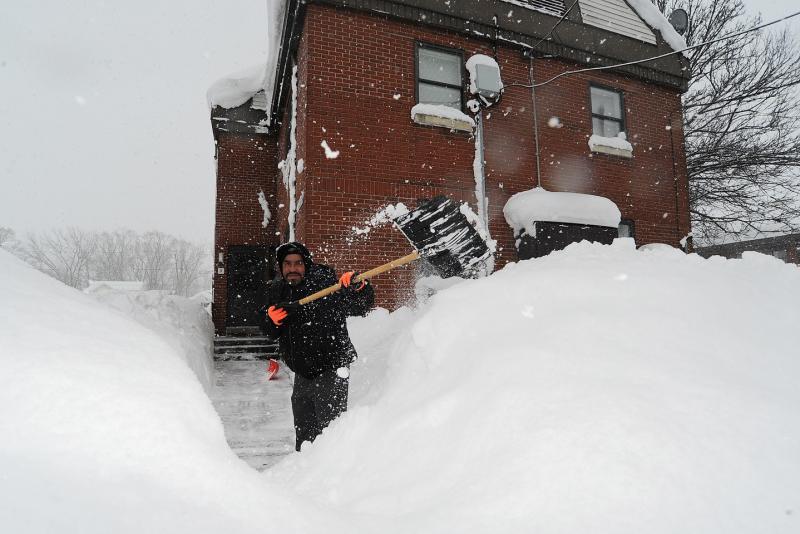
295, 280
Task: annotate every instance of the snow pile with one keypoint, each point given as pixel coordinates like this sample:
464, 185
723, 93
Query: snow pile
538, 205
181, 322
441, 111
652, 16
329, 152
103, 427
472, 68
262, 201
385, 215
121, 285
620, 142
236, 89
598, 389
289, 166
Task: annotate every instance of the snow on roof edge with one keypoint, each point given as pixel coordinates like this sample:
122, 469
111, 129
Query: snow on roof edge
656, 20
237, 88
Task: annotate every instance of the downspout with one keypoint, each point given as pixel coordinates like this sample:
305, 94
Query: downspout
479, 168
686, 241
535, 124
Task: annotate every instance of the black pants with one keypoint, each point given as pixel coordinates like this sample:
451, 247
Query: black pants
316, 402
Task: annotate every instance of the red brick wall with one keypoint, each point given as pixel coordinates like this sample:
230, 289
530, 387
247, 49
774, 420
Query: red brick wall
245, 165
650, 188
351, 66
357, 63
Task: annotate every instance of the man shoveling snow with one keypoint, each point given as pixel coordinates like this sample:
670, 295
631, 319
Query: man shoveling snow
313, 338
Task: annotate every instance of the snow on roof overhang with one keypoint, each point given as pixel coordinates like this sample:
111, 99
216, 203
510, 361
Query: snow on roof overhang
574, 41
237, 88
539, 205
490, 18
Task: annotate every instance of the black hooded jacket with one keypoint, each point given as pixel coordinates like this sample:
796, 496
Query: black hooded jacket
314, 339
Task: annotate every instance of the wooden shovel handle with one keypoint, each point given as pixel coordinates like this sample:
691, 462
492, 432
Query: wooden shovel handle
363, 276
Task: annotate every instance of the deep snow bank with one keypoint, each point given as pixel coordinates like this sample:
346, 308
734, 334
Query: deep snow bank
104, 428
181, 322
599, 389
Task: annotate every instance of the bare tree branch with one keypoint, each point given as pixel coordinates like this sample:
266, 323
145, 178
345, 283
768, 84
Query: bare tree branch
64, 254
7, 235
159, 260
741, 123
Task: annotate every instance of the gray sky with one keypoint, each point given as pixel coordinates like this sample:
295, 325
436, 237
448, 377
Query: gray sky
103, 117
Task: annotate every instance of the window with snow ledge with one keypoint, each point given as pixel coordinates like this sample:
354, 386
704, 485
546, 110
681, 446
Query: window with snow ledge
439, 73
608, 123
614, 146
443, 116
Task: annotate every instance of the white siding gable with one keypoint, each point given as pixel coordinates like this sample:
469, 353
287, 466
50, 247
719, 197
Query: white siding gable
260, 101
616, 16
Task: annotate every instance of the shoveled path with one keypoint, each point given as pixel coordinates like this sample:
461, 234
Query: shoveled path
256, 412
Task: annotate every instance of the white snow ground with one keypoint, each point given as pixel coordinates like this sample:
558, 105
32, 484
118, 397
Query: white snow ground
599, 389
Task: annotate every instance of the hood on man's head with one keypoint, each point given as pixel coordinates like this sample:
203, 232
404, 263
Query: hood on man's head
293, 247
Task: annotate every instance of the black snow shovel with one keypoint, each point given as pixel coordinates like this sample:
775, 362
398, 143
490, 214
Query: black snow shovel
440, 234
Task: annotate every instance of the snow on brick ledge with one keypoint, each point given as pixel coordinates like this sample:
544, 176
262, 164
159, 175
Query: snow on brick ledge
236, 89
444, 116
616, 146
539, 205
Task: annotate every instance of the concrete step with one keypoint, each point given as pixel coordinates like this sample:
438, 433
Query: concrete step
246, 348
242, 340
244, 356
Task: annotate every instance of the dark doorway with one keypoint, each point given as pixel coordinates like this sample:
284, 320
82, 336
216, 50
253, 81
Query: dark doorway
249, 270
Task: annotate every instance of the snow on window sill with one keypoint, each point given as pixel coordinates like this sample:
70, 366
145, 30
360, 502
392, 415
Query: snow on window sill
442, 116
614, 146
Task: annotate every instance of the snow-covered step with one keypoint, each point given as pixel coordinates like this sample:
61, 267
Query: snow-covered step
245, 356
243, 342
255, 412
244, 348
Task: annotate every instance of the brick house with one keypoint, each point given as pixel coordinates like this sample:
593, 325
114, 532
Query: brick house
337, 121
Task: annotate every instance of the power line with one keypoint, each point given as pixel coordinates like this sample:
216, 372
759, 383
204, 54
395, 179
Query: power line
564, 16
533, 93
723, 38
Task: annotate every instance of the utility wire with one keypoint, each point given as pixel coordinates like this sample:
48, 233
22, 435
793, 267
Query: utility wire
564, 16
533, 94
723, 38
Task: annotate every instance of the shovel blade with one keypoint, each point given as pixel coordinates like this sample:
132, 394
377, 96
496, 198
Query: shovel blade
444, 237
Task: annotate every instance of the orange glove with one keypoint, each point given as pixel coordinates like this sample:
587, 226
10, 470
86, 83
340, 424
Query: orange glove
277, 315
347, 277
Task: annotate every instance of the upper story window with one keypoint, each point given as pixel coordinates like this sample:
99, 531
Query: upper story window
440, 76
607, 116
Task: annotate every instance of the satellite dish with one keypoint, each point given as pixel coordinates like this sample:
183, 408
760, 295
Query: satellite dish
679, 20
